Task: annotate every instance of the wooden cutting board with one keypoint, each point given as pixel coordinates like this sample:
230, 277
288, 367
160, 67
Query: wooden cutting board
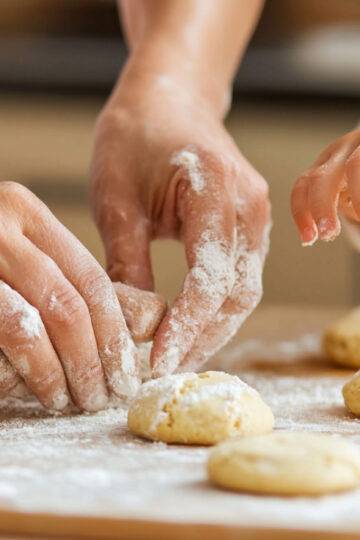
85, 476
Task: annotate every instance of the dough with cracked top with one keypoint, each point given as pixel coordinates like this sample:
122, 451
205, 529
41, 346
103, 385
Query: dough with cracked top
202, 408
342, 340
286, 463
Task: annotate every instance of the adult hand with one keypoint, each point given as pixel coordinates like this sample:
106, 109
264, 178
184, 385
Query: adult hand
143, 312
61, 325
164, 166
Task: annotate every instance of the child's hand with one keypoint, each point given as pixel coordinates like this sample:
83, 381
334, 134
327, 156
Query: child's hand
330, 186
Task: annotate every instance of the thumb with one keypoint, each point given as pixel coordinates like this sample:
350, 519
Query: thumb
127, 246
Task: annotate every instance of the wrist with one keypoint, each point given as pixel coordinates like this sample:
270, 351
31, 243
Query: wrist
173, 69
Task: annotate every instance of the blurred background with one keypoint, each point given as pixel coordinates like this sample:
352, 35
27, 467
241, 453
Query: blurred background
297, 90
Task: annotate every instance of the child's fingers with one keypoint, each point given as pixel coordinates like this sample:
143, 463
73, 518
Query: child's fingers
301, 213
352, 171
325, 184
315, 196
326, 181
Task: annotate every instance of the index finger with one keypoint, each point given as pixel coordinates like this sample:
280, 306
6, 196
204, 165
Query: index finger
207, 213
115, 346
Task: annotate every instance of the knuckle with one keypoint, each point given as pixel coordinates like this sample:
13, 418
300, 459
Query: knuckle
221, 168
14, 190
248, 292
64, 306
21, 203
98, 290
215, 166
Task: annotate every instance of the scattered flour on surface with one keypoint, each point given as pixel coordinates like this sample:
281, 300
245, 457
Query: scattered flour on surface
89, 464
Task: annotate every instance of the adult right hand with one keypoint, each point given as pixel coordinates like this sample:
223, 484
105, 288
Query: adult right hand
61, 325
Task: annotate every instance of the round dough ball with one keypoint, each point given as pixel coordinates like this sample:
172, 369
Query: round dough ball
351, 393
202, 408
342, 340
286, 463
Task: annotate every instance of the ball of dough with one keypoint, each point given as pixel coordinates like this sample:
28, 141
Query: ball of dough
351, 393
202, 408
342, 340
286, 463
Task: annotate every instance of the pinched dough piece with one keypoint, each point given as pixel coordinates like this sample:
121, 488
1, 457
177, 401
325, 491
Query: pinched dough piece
143, 310
342, 340
351, 393
286, 463
202, 408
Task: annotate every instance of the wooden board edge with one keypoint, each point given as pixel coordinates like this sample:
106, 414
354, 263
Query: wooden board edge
82, 527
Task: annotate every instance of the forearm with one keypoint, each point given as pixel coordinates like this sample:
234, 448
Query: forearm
199, 41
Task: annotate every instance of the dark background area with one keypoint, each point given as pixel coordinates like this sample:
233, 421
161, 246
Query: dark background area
296, 91
65, 45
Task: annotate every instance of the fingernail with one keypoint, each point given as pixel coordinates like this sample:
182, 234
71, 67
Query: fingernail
96, 401
309, 236
124, 385
328, 229
60, 401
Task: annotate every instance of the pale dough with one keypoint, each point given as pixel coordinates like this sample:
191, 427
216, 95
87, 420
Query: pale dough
286, 463
202, 408
351, 393
342, 340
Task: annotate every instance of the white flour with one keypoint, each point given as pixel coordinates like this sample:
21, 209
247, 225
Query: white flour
214, 268
14, 304
191, 163
227, 391
90, 464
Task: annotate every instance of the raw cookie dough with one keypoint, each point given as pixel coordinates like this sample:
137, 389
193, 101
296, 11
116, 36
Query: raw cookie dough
202, 408
286, 463
351, 393
342, 340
